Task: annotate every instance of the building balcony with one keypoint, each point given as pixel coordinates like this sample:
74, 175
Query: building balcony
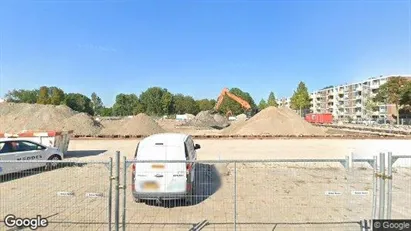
374, 86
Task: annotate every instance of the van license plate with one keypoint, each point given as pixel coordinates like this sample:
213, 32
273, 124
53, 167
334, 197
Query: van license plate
157, 166
150, 185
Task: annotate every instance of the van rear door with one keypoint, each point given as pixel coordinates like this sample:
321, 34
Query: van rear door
157, 176
176, 178
149, 177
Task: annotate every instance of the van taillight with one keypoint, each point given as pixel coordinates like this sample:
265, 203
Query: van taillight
133, 171
188, 168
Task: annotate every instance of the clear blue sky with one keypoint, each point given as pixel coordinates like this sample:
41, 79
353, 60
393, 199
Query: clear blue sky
199, 47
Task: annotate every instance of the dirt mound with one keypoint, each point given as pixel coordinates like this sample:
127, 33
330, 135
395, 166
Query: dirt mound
220, 119
140, 124
205, 119
82, 124
274, 121
190, 116
16, 117
242, 117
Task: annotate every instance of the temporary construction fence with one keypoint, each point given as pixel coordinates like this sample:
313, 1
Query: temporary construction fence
70, 195
316, 194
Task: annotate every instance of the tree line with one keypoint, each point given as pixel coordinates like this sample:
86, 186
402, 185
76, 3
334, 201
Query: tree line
153, 101
159, 101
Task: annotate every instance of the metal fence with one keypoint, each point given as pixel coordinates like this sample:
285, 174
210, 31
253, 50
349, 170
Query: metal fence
70, 195
314, 194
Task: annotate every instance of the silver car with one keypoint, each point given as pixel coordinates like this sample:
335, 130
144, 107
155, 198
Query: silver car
19, 149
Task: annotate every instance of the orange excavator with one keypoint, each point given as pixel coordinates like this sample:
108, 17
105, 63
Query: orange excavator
242, 102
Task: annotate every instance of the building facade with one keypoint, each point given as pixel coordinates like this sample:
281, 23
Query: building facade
350, 100
283, 102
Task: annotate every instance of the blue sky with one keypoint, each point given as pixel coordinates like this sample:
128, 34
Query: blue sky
199, 47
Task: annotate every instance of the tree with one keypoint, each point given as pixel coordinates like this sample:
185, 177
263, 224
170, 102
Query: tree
392, 92
229, 104
126, 105
57, 95
79, 102
370, 107
43, 95
106, 111
185, 104
271, 100
167, 103
157, 101
97, 103
262, 105
301, 98
206, 104
406, 95
22, 96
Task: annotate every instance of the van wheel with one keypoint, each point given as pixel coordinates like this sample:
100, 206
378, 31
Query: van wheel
54, 165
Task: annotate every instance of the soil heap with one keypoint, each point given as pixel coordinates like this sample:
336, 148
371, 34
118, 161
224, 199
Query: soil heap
274, 121
205, 119
15, 117
140, 124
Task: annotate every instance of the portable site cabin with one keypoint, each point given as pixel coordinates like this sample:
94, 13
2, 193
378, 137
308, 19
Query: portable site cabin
57, 139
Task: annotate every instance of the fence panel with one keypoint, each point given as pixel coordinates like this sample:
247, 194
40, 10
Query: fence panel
212, 203
302, 195
401, 187
71, 196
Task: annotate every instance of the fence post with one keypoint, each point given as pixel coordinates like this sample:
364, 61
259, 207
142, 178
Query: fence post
235, 195
124, 192
389, 186
117, 195
347, 164
382, 185
374, 188
110, 196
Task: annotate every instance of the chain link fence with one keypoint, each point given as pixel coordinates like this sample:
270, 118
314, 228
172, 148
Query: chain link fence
310, 194
258, 195
399, 188
70, 195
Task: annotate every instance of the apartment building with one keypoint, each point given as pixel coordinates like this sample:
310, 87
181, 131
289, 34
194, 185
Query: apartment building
283, 102
349, 100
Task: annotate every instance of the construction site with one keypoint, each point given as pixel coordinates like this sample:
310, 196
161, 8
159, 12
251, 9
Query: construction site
270, 122
260, 171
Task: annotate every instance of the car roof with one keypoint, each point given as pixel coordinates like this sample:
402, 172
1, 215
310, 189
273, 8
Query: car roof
15, 139
168, 139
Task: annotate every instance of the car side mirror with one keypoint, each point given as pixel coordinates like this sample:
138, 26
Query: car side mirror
197, 146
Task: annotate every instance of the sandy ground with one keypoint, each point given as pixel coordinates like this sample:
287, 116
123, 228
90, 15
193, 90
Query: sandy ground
283, 196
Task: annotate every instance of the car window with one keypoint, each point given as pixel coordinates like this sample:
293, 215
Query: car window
23, 146
5, 147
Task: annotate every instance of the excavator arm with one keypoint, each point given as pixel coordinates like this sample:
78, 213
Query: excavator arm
226, 92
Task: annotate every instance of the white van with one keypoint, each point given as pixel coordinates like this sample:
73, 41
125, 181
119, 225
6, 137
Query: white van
164, 181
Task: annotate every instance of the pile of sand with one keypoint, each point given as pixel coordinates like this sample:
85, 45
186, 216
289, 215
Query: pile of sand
16, 117
205, 119
190, 116
82, 124
140, 124
274, 121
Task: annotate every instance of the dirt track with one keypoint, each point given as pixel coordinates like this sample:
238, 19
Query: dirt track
266, 193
